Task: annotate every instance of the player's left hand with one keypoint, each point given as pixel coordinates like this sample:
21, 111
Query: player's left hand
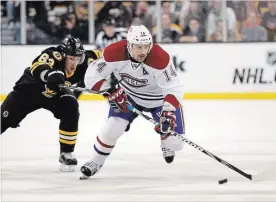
167, 122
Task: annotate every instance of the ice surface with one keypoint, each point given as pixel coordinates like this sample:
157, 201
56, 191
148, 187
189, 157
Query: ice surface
241, 132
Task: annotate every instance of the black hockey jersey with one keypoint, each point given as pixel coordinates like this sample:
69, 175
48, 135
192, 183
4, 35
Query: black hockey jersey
32, 79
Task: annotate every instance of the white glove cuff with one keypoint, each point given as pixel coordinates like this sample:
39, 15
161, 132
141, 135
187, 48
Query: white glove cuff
168, 107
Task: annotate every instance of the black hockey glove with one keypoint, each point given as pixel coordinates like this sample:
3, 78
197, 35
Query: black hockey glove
54, 79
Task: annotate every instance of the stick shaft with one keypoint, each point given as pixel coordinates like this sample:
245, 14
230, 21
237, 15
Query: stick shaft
258, 177
82, 89
189, 142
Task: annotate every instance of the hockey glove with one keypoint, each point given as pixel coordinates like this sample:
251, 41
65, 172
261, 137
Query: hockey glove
167, 122
54, 79
117, 100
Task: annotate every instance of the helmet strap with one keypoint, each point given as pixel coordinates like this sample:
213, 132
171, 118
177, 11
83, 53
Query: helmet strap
82, 59
129, 49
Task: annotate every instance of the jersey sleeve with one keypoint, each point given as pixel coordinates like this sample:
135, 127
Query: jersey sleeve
168, 80
44, 62
93, 55
97, 74
90, 56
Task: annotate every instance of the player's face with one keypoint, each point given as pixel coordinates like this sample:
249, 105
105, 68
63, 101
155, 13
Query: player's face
71, 63
140, 52
109, 30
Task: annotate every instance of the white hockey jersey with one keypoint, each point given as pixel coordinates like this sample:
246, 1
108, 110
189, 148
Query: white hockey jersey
149, 84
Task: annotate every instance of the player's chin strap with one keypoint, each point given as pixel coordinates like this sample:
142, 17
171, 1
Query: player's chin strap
257, 177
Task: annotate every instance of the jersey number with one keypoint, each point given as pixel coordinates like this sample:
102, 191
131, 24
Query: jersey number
44, 58
170, 73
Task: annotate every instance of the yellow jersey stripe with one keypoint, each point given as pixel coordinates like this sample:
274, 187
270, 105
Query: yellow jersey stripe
69, 75
68, 141
68, 133
35, 65
97, 53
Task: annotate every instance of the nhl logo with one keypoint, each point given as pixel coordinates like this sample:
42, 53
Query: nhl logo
135, 65
271, 58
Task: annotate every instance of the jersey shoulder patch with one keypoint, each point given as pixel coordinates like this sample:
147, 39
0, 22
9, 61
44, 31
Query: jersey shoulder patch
157, 58
91, 55
116, 52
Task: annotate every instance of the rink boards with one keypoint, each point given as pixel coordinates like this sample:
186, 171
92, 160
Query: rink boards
207, 71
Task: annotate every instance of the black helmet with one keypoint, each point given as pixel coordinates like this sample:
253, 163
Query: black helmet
72, 46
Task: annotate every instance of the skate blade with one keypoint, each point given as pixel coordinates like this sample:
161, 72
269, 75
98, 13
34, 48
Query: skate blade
67, 168
84, 177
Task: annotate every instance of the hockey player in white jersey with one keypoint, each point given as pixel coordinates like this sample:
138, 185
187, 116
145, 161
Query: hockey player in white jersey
148, 81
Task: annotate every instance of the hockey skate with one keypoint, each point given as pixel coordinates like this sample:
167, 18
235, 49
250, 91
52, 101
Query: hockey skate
89, 169
168, 154
67, 162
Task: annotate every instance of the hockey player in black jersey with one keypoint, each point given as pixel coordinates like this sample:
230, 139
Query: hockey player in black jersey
38, 88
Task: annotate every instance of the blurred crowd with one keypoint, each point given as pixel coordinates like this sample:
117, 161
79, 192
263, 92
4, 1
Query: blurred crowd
182, 21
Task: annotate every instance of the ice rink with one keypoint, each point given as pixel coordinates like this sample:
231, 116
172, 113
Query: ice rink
241, 132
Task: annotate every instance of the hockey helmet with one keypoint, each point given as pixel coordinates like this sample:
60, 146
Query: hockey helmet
72, 46
138, 35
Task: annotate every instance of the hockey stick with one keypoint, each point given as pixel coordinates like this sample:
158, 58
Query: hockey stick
81, 89
86, 89
258, 177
